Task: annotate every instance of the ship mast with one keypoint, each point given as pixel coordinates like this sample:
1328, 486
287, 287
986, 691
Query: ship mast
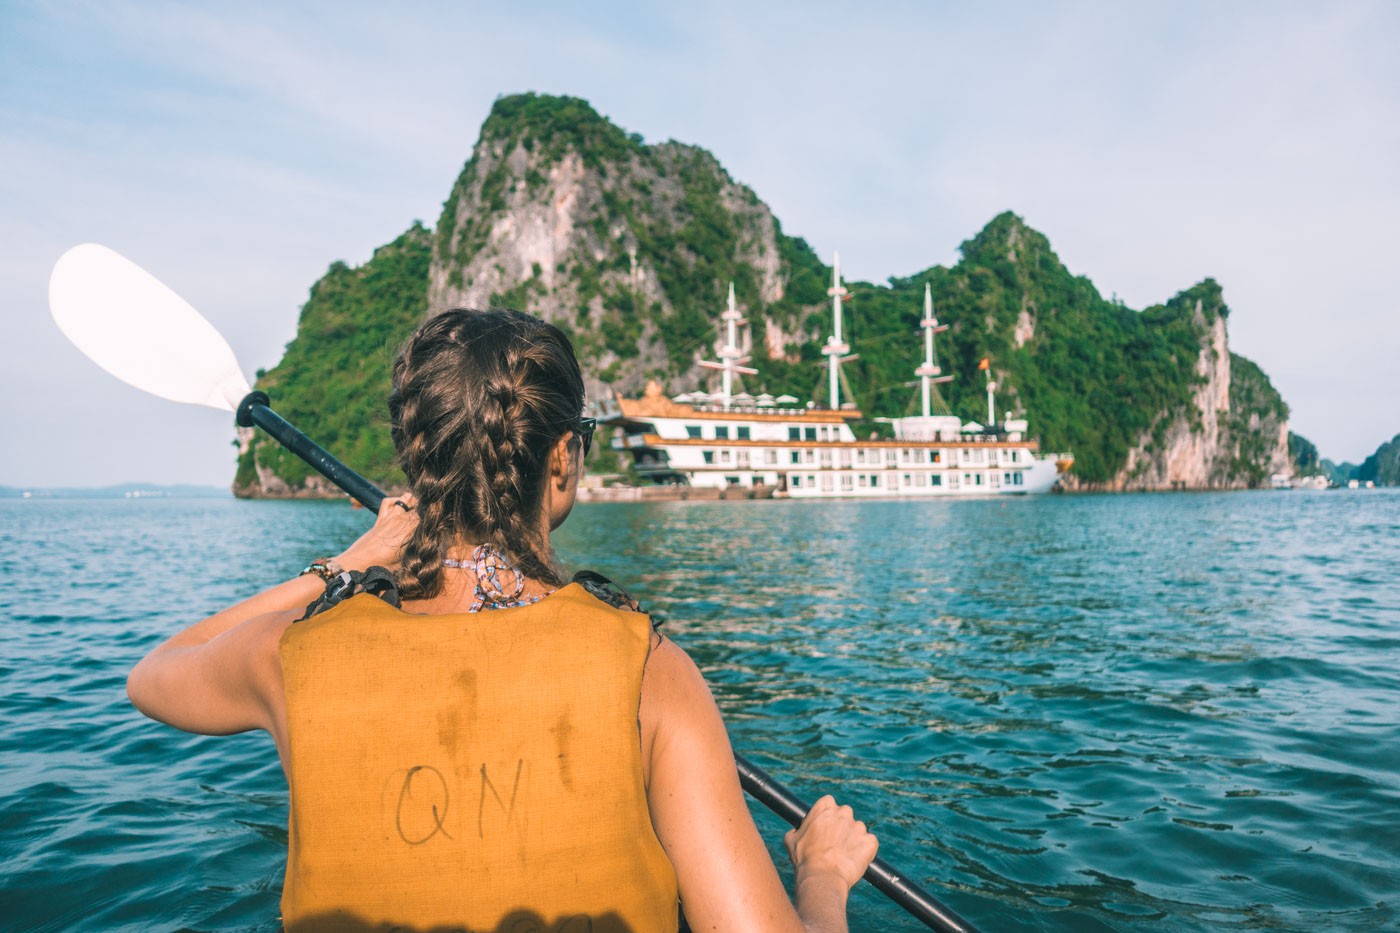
731, 357
991, 399
928, 371
836, 349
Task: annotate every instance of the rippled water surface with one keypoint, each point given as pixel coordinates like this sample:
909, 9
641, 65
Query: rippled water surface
1059, 713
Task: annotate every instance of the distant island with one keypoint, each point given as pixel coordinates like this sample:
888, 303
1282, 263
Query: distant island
118, 491
629, 247
1381, 468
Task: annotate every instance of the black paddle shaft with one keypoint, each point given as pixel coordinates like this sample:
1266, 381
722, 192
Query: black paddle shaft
904, 892
255, 410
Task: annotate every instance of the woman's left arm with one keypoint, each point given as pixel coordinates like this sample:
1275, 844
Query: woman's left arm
220, 675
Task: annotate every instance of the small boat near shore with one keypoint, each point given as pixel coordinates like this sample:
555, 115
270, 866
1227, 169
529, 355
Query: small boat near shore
737, 445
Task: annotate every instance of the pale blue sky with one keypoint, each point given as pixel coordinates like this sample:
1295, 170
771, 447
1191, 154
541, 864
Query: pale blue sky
236, 150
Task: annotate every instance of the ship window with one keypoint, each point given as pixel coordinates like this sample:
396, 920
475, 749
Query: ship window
794, 434
796, 456
743, 432
721, 432
692, 430
810, 434
709, 455
770, 456
936, 480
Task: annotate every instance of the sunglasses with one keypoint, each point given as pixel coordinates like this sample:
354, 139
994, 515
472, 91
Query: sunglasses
584, 430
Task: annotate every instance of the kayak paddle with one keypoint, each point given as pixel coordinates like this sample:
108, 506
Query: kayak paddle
135, 327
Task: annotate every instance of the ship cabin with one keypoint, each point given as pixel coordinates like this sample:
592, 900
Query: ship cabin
696, 439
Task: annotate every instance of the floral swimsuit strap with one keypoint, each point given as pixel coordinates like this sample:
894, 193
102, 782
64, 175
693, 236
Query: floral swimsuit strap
488, 563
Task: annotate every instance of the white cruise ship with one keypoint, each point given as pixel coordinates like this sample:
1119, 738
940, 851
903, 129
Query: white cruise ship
762, 445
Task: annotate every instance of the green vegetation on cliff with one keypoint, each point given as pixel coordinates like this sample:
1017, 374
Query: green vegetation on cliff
333, 381
1303, 453
1383, 466
1254, 404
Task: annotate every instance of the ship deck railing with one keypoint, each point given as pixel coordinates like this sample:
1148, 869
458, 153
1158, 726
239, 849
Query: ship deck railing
763, 409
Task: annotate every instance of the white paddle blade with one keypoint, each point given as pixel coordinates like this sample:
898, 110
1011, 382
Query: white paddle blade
132, 325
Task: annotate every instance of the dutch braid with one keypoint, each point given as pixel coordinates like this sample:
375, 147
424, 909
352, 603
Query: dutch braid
479, 400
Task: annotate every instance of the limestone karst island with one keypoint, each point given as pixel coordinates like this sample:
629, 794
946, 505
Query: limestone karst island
632, 248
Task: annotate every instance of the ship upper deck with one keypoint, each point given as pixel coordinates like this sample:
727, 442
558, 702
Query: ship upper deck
654, 404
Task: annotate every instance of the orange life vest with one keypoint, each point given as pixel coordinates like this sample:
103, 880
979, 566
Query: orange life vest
473, 772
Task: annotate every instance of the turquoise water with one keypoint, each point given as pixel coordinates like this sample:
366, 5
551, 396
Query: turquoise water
1059, 713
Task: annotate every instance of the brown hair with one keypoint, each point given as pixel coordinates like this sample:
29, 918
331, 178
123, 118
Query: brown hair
479, 400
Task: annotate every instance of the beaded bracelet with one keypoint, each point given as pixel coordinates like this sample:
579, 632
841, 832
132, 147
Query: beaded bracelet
324, 567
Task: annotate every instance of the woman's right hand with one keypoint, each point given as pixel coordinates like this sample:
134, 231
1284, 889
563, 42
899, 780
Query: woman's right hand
831, 842
382, 545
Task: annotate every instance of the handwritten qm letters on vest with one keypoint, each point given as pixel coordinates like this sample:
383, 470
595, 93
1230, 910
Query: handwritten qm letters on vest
464, 771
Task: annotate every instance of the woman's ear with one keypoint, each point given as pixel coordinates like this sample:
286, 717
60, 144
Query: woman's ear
561, 461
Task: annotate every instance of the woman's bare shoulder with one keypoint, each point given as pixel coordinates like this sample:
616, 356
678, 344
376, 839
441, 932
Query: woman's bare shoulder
671, 671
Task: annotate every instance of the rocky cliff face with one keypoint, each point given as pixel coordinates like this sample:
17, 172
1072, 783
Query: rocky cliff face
1231, 434
1150, 400
630, 248
560, 213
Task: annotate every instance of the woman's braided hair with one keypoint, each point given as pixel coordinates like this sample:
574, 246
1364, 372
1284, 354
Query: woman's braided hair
479, 400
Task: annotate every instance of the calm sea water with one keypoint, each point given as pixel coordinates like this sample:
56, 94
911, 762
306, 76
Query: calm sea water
1059, 713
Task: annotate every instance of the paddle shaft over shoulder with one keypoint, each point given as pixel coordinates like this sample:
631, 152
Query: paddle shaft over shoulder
255, 410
